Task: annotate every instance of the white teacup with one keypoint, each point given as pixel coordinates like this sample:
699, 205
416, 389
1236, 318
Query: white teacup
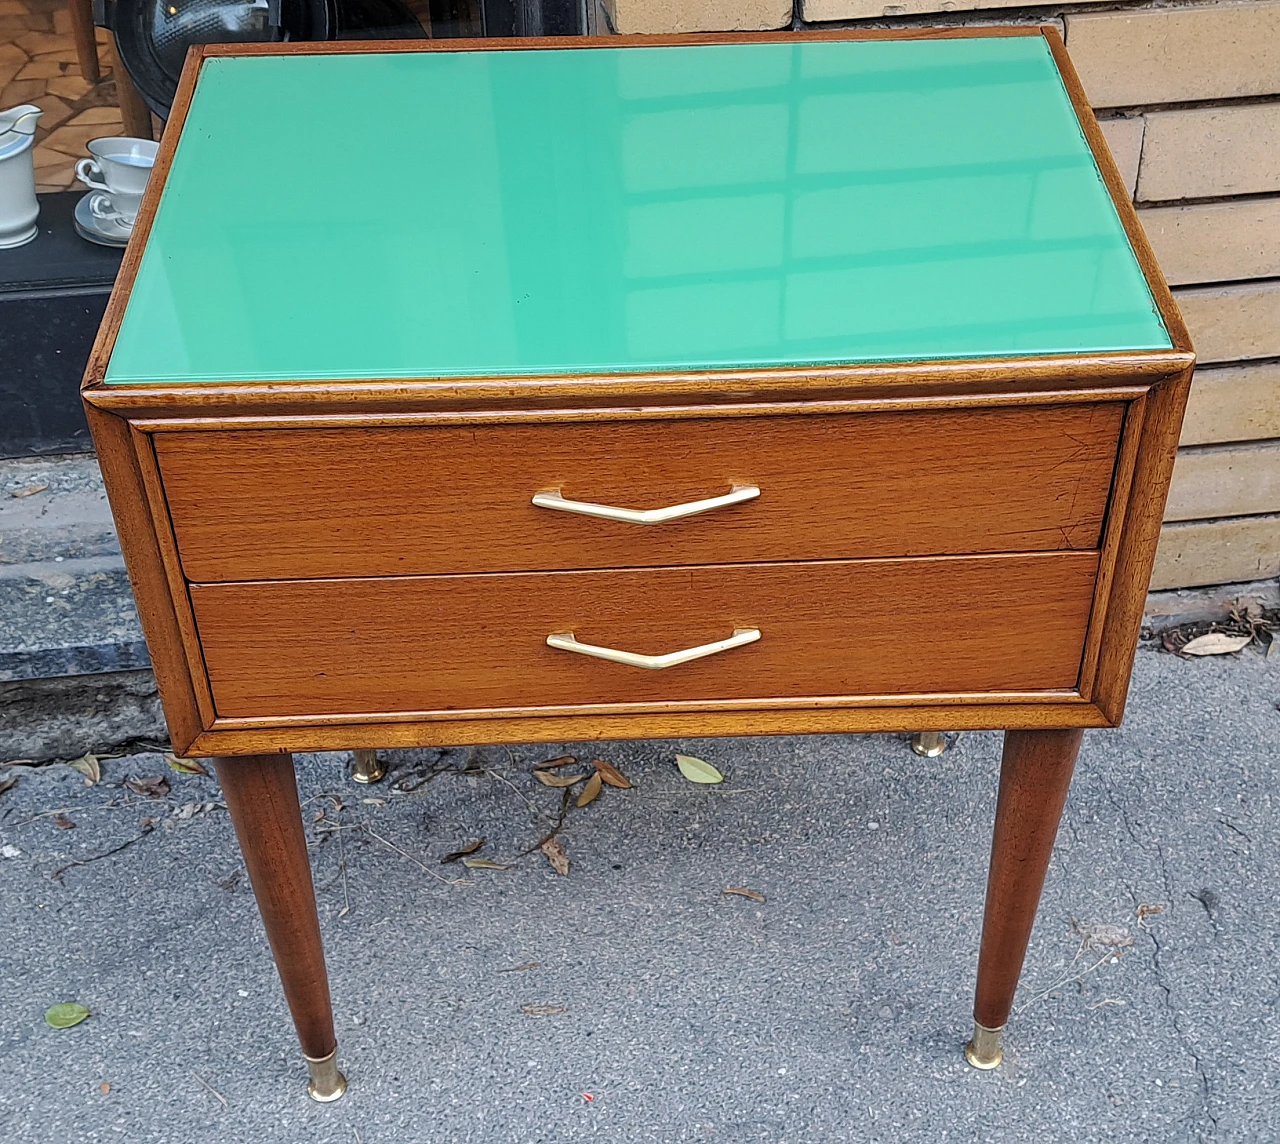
119, 171
115, 206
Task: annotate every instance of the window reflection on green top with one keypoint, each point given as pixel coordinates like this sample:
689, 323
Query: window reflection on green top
621, 209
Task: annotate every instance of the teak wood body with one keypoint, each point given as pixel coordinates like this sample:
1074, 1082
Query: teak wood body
953, 544
1015, 501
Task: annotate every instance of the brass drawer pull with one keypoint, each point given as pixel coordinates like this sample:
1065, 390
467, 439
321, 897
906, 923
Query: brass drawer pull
565, 641
553, 499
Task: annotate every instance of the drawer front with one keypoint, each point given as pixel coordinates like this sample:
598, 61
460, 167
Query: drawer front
294, 504
839, 628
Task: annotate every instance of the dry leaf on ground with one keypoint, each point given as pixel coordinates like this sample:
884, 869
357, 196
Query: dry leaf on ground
698, 770
558, 761
611, 774
743, 892
555, 855
104, 1087
591, 790
8, 783
65, 1014
1105, 935
483, 864
1216, 643
185, 766
519, 968
153, 786
558, 780
543, 1010
62, 822
88, 766
453, 856
30, 490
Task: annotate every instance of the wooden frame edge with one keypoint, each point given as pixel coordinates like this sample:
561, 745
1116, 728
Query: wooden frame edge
477, 732
179, 589
1136, 554
1123, 373
743, 708
127, 494
1112, 535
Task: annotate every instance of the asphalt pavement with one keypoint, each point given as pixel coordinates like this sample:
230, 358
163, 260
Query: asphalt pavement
633, 1000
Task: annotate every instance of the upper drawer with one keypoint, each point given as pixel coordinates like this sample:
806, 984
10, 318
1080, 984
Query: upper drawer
306, 503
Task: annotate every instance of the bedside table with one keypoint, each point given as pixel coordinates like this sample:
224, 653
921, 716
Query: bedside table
516, 391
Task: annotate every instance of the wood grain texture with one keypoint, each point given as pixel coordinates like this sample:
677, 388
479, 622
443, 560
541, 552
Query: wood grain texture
1121, 491
1034, 776
135, 115
1210, 152
1177, 54
932, 712
82, 35
178, 594
1162, 422
1006, 623
1227, 551
1058, 698
1216, 242
262, 799
1233, 403
126, 492
1234, 323
1225, 480
1008, 380
297, 504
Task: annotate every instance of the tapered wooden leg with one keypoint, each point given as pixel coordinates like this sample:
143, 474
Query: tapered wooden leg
1034, 776
82, 34
133, 109
262, 796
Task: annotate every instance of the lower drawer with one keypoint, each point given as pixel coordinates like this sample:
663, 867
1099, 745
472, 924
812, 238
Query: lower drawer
831, 628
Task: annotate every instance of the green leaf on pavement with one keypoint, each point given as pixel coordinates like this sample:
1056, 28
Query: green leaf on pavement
65, 1014
698, 770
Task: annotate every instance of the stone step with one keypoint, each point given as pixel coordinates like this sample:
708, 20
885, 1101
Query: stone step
66, 608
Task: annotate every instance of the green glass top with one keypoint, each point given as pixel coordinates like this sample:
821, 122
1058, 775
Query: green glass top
512, 212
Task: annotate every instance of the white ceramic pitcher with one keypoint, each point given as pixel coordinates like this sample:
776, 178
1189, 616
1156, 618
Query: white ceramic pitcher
19, 207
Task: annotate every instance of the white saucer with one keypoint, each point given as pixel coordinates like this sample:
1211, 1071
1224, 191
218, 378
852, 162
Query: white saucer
102, 231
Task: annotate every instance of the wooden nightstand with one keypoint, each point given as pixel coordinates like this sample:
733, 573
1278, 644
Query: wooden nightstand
502, 391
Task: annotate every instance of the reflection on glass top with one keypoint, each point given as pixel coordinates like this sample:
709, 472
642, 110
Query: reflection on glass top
522, 212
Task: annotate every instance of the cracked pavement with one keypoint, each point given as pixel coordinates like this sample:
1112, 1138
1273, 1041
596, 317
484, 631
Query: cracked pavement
834, 1011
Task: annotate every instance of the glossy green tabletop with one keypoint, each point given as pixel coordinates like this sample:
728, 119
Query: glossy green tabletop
620, 209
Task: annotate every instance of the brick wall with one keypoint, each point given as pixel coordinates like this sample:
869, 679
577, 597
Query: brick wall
1189, 100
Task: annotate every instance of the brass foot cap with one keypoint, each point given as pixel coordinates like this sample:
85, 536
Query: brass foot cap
337, 1092
368, 767
984, 1050
327, 1083
930, 744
